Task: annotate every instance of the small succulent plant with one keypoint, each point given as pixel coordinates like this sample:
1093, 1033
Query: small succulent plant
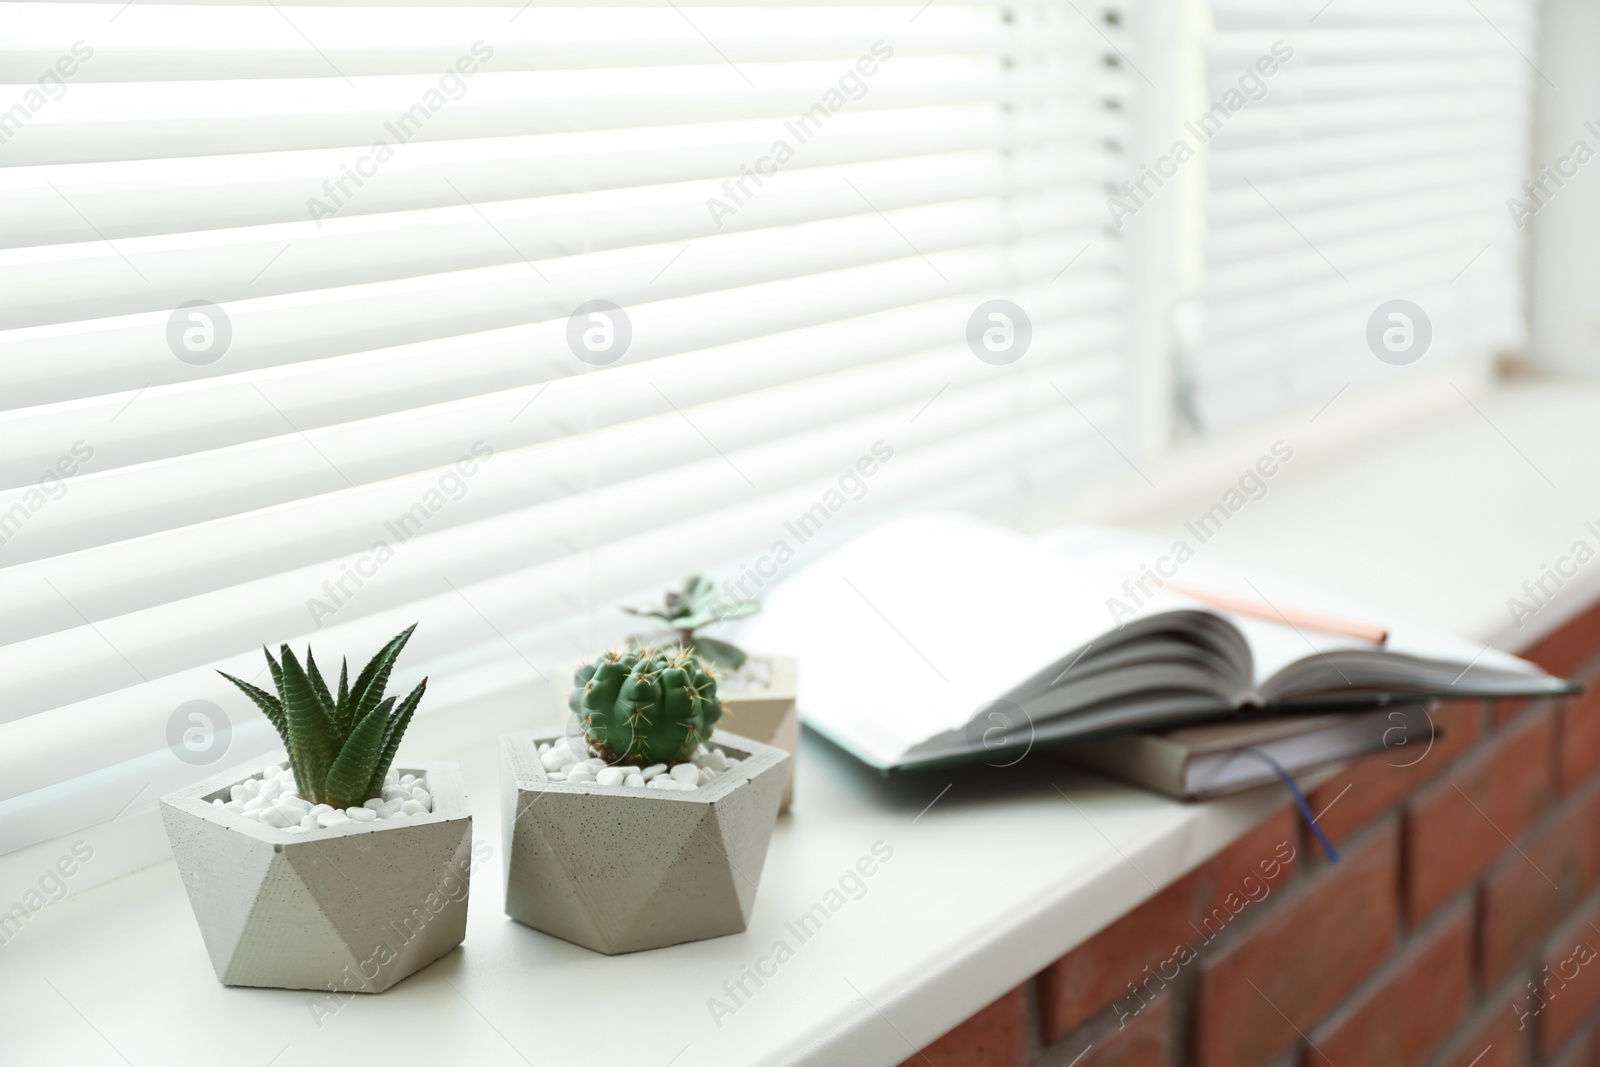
686, 611
340, 746
646, 706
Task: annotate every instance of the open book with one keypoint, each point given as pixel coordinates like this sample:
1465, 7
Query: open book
939, 637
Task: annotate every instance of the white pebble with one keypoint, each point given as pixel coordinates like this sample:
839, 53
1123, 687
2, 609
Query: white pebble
544, 746
556, 776
361, 814
234, 806
272, 789
331, 818
272, 816
717, 760
375, 803
664, 782
390, 809
218, 802
244, 791
270, 771
422, 797
395, 792
408, 779
392, 778
653, 770
581, 773
611, 776
255, 803
411, 807
687, 773
309, 822
292, 806
635, 781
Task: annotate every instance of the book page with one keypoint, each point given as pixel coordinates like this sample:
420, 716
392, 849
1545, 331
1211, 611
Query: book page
912, 628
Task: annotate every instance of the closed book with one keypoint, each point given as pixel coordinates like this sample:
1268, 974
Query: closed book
1199, 762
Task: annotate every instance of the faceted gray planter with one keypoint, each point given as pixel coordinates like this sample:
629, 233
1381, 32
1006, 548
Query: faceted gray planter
769, 714
355, 907
620, 869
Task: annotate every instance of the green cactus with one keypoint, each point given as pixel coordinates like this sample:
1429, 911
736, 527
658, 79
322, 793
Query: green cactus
644, 707
340, 747
685, 612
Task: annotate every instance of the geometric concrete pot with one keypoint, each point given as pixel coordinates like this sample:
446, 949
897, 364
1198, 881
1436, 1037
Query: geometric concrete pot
619, 869
356, 907
768, 715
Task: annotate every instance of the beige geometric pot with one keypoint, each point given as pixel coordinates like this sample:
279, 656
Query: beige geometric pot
619, 869
355, 907
769, 714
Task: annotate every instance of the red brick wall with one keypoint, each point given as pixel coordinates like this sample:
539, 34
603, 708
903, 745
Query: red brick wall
1461, 929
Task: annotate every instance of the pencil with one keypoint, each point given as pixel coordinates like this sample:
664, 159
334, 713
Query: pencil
1307, 620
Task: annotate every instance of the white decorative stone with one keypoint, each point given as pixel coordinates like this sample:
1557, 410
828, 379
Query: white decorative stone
357, 906
653, 770
686, 774
620, 871
611, 776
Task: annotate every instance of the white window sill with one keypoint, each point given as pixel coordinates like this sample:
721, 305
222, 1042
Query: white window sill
1442, 520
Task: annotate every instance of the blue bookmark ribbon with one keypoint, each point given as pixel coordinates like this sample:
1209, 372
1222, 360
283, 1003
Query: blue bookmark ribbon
1299, 799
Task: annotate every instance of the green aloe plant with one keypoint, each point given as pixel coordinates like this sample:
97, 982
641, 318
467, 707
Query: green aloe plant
340, 746
685, 611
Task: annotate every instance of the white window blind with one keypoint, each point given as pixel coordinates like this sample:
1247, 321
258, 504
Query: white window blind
377, 416
1373, 165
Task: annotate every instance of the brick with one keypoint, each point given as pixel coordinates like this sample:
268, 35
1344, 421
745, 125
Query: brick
995, 1037
1580, 1054
1146, 1041
1568, 983
1519, 906
1570, 646
1579, 749
1096, 974
1457, 827
1114, 963
1493, 1041
1369, 787
1505, 709
1432, 985
1295, 964
1248, 870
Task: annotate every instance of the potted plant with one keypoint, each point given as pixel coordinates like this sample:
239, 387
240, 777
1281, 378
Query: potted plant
647, 828
331, 868
758, 692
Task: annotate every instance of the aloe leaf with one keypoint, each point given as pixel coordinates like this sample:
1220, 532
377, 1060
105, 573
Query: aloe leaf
341, 714
320, 687
346, 784
391, 740
270, 705
374, 677
312, 743
277, 671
